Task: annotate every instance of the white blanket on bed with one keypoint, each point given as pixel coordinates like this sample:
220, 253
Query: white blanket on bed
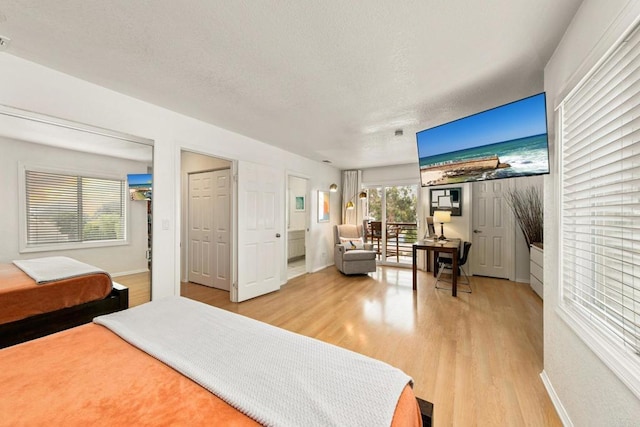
48, 269
274, 376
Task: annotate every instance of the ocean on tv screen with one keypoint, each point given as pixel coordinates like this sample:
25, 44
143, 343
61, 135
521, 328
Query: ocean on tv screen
504, 142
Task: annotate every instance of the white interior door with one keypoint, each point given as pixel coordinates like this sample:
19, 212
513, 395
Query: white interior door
222, 225
200, 209
492, 250
260, 245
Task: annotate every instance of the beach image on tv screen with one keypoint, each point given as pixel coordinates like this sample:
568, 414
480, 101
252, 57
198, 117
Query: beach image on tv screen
140, 186
505, 142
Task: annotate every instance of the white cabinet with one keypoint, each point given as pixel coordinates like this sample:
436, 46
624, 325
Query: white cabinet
536, 269
296, 244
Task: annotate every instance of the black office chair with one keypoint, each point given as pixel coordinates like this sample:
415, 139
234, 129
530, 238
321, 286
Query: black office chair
445, 263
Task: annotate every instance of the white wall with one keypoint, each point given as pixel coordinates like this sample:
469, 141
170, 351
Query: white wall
588, 392
521, 250
114, 259
460, 226
29, 86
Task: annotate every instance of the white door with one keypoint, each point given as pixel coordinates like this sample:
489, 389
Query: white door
200, 208
260, 245
209, 224
491, 250
222, 225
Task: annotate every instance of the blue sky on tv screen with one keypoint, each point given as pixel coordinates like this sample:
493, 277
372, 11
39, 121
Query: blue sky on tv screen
519, 119
139, 179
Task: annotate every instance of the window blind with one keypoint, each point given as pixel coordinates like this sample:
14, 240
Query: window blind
68, 208
600, 193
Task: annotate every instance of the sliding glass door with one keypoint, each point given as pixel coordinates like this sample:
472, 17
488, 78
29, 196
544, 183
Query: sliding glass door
392, 221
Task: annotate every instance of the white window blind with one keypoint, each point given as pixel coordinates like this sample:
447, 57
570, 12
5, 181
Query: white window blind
600, 211
68, 208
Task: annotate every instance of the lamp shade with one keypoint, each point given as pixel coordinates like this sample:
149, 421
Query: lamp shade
350, 205
362, 195
333, 188
442, 216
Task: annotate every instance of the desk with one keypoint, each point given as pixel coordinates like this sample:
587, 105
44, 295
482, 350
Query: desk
436, 246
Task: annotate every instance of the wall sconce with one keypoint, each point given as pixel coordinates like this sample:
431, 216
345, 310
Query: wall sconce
442, 217
333, 188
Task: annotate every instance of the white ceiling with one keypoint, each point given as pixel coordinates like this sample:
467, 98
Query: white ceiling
327, 79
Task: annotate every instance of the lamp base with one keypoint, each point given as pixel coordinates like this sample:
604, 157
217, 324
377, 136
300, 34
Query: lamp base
442, 237
442, 232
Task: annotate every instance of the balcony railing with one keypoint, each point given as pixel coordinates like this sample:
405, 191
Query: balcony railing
400, 238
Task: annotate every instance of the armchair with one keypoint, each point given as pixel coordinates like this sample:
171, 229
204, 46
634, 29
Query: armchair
351, 255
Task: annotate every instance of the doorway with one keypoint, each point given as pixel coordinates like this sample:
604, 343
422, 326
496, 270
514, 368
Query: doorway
297, 208
206, 226
493, 231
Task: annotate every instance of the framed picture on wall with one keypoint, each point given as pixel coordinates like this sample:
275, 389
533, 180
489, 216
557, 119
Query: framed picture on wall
299, 203
323, 206
446, 199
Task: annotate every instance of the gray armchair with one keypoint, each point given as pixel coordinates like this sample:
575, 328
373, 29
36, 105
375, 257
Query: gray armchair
349, 256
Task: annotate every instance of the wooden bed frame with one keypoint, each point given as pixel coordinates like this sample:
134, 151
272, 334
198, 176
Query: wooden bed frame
426, 412
48, 323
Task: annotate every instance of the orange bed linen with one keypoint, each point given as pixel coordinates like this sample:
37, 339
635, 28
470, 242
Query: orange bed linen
21, 297
89, 376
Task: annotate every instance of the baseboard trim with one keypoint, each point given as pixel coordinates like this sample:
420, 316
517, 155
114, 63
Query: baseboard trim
126, 273
321, 268
562, 413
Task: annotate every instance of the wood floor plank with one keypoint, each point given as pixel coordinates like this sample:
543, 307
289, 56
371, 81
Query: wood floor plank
139, 285
477, 357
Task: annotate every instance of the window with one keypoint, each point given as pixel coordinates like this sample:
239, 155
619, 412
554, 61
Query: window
67, 210
600, 209
397, 205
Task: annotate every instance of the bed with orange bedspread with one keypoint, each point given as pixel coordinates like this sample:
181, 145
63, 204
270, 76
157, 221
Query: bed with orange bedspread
88, 375
30, 310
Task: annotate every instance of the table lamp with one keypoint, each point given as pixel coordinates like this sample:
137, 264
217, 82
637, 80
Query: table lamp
442, 217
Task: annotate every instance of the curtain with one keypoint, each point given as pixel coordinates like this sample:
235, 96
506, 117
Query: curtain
350, 190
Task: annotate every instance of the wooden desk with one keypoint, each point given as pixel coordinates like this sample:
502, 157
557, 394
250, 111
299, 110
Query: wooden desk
450, 246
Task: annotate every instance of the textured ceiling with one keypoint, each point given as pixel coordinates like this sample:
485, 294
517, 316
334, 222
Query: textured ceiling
325, 79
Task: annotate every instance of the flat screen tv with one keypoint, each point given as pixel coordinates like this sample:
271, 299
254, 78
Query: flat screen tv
504, 142
140, 186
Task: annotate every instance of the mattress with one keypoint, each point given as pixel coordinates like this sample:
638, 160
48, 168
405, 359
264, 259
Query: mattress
89, 376
21, 297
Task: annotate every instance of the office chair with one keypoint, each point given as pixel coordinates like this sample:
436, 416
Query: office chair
446, 263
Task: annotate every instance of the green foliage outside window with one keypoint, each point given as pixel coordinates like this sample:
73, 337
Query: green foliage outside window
401, 202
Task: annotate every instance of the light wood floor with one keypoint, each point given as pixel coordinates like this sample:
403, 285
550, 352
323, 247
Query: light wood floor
476, 357
139, 287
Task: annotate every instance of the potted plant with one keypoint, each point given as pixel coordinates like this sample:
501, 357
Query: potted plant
527, 207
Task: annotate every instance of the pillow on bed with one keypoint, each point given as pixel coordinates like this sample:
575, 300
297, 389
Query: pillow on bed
352, 243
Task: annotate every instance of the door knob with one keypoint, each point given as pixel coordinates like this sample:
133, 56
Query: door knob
477, 231
277, 234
